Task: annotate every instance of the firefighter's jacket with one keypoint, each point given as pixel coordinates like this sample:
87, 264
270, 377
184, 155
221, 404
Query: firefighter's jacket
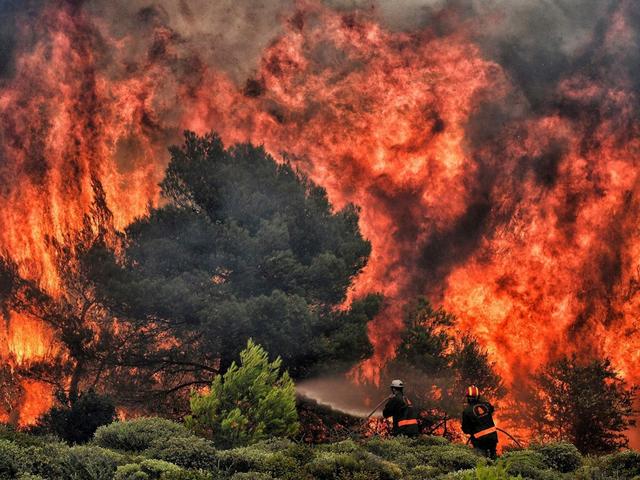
477, 421
405, 418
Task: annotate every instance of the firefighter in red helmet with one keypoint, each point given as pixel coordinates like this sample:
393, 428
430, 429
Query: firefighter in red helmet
477, 421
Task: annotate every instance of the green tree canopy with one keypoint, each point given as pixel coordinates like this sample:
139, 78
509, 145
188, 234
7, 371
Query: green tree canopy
250, 402
242, 248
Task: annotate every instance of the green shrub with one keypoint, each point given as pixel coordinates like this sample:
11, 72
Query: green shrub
248, 403
422, 471
482, 472
251, 476
91, 463
139, 434
450, 458
48, 461
156, 468
23, 439
408, 460
131, 471
528, 464
623, 465
409, 452
254, 458
562, 456
275, 444
300, 452
11, 459
347, 466
466, 474
186, 475
329, 466
151, 469
58, 461
345, 446
389, 449
430, 441
494, 472
192, 453
383, 469
29, 476
586, 472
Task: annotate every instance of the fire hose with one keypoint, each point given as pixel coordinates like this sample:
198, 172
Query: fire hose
468, 440
377, 407
507, 434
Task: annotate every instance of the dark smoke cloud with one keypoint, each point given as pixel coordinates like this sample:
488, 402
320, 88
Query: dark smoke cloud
536, 41
11, 11
227, 34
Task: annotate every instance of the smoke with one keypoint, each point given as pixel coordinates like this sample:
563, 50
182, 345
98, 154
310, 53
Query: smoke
343, 395
534, 40
10, 12
229, 35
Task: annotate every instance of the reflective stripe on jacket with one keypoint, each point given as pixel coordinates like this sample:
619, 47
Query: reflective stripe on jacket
485, 432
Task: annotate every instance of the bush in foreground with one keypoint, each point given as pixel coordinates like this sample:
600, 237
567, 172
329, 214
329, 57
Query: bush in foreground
249, 403
91, 463
10, 457
139, 434
562, 456
192, 458
623, 465
192, 453
529, 464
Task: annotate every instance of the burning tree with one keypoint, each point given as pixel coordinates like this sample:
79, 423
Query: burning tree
83, 331
243, 248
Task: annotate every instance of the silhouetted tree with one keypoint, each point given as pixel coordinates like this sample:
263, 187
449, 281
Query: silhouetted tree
244, 248
585, 403
84, 330
76, 421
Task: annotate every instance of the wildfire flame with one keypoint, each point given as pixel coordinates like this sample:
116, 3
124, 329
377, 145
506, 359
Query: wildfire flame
519, 219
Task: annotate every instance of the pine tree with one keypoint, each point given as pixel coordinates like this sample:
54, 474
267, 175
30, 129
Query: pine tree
250, 402
587, 404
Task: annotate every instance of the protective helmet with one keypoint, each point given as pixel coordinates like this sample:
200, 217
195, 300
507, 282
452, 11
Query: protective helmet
473, 392
397, 384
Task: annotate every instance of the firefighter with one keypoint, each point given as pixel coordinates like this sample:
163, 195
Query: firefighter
477, 421
401, 412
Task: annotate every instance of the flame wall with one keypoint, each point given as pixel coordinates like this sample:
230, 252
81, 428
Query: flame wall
492, 148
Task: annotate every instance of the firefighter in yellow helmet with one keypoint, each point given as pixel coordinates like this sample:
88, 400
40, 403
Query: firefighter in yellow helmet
400, 409
477, 421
